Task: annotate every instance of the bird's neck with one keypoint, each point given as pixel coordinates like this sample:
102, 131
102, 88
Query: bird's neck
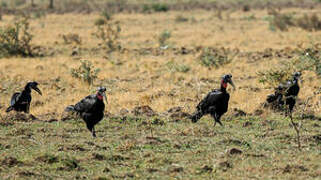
27, 90
100, 97
223, 86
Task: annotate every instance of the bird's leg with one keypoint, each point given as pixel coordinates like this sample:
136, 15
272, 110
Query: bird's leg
28, 108
218, 120
93, 132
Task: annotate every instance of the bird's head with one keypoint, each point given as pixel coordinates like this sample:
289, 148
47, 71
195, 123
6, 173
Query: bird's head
34, 85
297, 76
101, 93
227, 78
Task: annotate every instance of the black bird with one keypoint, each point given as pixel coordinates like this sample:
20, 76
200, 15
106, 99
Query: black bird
286, 93
91, 109
20, 101
215, 103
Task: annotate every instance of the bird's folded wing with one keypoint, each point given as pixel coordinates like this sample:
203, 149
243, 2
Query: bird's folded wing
15, 97
86, 104
211, 99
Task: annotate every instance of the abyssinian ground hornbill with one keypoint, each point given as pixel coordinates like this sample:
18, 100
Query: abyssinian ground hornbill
215, 103
286, 93
91, 109
20, 101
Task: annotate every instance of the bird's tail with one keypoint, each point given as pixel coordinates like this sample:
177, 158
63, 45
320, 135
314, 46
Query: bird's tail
271, 98
70, 108
196, 116
10, 108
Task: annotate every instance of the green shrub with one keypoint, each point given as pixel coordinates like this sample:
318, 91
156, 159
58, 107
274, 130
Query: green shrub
181, 18
213, 58
158, 7
310, 59
71, 38
309, 22
273, 77
85, 72
108, 33
175, 67
163, 38
280, 21
16, 39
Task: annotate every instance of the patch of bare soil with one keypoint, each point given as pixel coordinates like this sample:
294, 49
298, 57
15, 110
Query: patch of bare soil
47, 159
11, 162
294, 168
73, 147
19, 117
177, 113
144, 111
67, 116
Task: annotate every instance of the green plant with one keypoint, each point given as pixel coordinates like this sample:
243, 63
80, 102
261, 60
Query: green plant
273, 77
15, 39
146, 8
309, 59
280, 21
106, 15
181, 18
159, 7
86, 72
71, 38
213, 58
175, 67
309, 22
163, 38
108, 32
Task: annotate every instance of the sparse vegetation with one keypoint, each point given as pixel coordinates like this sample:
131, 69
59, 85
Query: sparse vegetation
146, 133
163, 39
15, 39
213, 58
86, 72
181, 18
71, 38
176, 67
108, 32
273, 77
284, 21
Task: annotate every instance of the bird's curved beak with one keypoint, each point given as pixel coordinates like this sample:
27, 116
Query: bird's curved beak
37, 89
104, 94
232, 83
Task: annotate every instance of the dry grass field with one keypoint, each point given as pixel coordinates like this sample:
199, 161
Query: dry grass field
143, 74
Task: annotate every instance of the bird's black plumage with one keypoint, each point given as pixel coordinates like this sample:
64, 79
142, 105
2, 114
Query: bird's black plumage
215, 103
286, 93
20, 101
91, 109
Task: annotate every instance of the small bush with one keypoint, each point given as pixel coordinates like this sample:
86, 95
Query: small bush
280, 21
175, 67
163, 38
158, 7
108, 32
71, 38
213, 58
106, 15
86, 72
38, 14
274, 77
16, 39
310, 59
309, 23
181, 18
146, 8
